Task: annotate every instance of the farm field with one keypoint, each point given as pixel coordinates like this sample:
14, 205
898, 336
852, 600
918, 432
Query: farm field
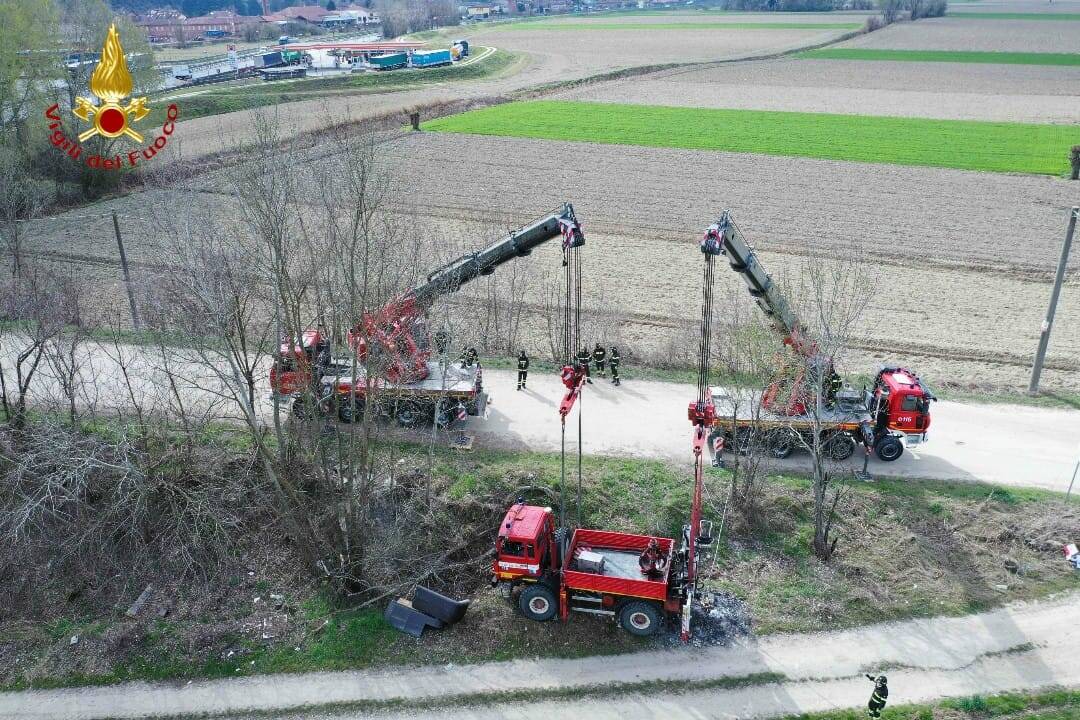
1011, 93
957, 56
998, 147
964, 259
543, 57
961, 32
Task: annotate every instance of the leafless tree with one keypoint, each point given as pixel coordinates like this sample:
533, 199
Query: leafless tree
831, 296
24, 197
36, 307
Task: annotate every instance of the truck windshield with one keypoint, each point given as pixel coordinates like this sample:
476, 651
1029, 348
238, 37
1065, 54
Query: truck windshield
509, 547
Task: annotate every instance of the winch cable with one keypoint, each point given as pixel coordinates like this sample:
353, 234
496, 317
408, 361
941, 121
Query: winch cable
571, 336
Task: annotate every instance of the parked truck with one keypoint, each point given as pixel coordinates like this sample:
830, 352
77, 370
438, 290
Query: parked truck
389, 61
893, 412
409, 384
268, 60
433, 58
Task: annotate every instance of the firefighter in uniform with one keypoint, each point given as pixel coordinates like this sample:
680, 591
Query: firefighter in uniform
879, 697
614, 362
469, 357
598, 356
583, 358
523, 370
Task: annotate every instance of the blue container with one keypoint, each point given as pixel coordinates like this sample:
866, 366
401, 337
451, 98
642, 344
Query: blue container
433, 58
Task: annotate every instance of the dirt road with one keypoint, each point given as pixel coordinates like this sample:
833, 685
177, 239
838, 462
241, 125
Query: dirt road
1005, 444
1021, 647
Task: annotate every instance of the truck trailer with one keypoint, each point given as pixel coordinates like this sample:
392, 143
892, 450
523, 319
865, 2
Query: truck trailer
434, 58
389, 61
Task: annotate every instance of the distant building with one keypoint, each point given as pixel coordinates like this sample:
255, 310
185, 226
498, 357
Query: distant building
351, 17
479, 11
164, 26
312, 14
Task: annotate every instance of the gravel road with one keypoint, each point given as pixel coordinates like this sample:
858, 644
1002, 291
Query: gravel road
1022, 647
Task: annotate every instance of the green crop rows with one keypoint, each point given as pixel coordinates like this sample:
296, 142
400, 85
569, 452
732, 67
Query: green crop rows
956, 56
964, 144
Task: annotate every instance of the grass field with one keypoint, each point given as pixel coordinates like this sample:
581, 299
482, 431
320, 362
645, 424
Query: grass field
1017, 15
769, 567
651, 27
968, 145
955, 56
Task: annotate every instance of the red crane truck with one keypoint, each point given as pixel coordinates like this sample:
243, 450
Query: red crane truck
635, 579
409, 383
639, 580
895, 411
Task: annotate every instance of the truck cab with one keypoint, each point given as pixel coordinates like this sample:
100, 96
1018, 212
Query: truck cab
525, 547
291, 371
900, 402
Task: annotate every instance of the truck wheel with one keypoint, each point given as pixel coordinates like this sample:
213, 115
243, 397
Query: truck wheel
640, 618
350, 411
409, 414
781, 444
840, 446
537, 602
889, 448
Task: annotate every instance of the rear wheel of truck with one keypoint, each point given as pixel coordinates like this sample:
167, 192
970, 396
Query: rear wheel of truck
640, 618
409, 414
537, 602
350, 410
781, 443
889, 448
839, 446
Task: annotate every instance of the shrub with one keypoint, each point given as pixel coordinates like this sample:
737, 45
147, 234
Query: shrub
874, 22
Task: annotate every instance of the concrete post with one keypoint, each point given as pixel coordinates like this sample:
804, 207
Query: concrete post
127, 273
1074, 158
414, 119
1044, 337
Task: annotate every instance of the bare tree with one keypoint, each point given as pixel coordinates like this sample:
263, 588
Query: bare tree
36, 307
24, 197
832, 296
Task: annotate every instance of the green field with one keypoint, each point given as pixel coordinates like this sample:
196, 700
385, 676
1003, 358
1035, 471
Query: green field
1017, 16
594, 25
955, 56
963, 144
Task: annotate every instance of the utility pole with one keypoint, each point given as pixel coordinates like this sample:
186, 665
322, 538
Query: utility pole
127, 273
1044, 338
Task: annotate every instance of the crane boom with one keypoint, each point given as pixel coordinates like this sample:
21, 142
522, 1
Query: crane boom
765, 292
398, 328
517, 243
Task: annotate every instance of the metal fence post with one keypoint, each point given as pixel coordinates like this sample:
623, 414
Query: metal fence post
1044, 337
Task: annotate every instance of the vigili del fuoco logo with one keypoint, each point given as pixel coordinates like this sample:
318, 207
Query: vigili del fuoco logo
111, 83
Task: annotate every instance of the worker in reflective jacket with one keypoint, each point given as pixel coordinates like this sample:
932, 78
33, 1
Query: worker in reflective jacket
614, 362
598, 356
879, 697
583, 358
523, 370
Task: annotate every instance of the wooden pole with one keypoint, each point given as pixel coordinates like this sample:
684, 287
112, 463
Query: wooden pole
1074, 158
1044, 336
127, 273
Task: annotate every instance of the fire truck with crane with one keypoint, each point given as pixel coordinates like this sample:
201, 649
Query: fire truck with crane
895, 410
394, 341
638, 580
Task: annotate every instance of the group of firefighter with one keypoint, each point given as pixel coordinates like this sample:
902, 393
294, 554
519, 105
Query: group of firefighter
600, 359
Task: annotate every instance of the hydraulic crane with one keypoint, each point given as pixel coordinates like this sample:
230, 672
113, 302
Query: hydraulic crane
396, 335
895, 410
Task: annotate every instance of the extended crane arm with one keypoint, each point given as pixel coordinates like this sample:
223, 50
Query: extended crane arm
397, 330
517, 243
766, 294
